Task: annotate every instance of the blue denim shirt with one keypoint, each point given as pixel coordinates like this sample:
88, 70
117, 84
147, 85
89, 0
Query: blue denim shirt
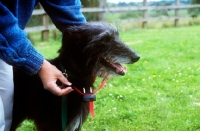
15, 48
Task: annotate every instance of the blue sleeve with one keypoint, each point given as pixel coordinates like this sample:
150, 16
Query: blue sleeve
15, 48
64, 12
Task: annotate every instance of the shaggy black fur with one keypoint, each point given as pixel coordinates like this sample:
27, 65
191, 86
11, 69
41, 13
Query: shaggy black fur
88, 51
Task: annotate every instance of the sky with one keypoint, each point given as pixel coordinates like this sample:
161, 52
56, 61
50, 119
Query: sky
117, 1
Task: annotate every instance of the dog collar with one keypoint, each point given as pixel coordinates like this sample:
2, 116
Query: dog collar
87, 97
90, 97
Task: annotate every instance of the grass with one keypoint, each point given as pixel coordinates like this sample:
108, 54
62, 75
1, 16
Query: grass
161, 92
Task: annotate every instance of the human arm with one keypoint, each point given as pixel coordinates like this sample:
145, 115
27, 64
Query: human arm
64, 12
17, 50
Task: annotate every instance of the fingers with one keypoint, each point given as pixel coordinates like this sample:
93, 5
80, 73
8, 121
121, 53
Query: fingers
63, 79
49, 74
58, 90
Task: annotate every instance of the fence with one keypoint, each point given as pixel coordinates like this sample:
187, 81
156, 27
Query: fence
45, 27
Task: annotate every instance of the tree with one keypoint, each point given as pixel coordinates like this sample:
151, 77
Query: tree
91, 3
194, 11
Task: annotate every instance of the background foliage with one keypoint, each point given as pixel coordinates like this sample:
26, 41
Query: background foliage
91, 3
195, 12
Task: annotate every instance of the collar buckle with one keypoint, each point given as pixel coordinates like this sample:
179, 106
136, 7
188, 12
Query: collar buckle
89, 97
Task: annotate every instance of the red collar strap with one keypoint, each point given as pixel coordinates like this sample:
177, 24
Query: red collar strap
92, 94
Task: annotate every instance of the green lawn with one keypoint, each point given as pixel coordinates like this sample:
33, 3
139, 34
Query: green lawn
161, 92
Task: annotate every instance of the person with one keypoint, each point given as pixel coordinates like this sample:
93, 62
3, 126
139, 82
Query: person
16, 50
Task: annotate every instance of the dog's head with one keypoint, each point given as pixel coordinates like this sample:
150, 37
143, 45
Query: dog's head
95, 49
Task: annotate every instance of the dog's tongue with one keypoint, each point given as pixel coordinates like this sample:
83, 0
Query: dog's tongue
119, 68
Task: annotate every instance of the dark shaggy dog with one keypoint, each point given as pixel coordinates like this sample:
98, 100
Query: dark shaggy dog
88, 51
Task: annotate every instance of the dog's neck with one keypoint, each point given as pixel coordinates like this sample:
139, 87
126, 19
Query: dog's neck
73, 75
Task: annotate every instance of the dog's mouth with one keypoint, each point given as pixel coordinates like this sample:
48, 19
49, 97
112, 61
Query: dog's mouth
114, 66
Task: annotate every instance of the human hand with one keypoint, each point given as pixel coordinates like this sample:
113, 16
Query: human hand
49, 74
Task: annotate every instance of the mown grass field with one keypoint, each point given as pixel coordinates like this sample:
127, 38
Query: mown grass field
161, 92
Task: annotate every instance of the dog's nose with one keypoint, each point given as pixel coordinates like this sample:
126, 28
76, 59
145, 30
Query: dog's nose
135, 58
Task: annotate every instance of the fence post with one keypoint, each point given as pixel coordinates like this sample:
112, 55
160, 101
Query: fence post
102, 4
176, 21
45, 23
144, 22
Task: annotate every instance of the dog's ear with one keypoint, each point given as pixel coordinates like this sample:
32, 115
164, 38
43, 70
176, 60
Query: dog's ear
71, 40
105, 36
71, 35
105, 32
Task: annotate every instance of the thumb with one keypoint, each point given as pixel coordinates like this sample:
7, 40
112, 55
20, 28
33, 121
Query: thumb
64, 80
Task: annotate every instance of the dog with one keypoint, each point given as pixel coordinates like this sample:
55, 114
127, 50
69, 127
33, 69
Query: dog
88, 51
